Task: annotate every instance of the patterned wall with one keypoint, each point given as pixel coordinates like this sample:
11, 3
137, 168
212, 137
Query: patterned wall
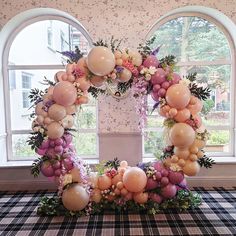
126, 19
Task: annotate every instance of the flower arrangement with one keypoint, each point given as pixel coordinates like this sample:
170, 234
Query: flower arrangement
148, 186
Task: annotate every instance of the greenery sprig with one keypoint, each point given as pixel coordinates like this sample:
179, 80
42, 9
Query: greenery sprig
95, 92
191, 77
146, 48
123, 87
199, 92
206, 162
35, 168
167, 61
183, 201
35, 139
36, 95
73, 56
113, 164
114, 44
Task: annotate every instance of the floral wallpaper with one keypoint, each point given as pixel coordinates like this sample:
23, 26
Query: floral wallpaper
129, 20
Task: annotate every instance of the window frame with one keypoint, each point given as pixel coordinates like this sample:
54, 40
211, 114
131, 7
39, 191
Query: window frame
7, 66
231, 62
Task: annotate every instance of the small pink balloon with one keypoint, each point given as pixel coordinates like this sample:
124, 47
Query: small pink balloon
151, 184
159, 77
46, 169
70, 68
58, 76
176, 177
175, 79
151, 61
182, 115
178, 96
64, 93
155, 96
125, 75
165, 85
161, 93
156, 87
156, 198
97, 81
84, 84
164, 181
169, 191
41, 152
195, 108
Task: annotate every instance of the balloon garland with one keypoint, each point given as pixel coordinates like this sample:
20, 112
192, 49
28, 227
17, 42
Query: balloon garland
148, 186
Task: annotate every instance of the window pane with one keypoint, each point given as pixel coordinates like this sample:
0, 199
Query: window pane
20, 112
219, 141
153, 142
86, 118
192, 39
86, 143
21, 150
37, 43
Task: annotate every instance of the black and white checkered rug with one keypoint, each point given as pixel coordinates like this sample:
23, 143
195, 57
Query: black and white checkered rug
216, 216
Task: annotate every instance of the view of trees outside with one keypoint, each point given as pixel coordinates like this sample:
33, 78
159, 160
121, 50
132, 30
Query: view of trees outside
37, 45
199, 46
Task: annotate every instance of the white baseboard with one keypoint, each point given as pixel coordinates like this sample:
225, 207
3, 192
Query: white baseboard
207, 182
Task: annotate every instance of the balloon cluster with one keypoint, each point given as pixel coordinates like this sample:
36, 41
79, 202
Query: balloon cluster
146, 182
178, 102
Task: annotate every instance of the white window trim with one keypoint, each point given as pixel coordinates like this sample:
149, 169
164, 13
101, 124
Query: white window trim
211, 17
16, 26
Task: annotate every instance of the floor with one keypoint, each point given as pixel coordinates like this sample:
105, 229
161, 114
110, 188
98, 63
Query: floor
216, 216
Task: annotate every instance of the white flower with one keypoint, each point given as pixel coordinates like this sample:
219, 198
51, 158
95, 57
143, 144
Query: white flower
152, 70
148, 77
67, 179
144, 71
175, 167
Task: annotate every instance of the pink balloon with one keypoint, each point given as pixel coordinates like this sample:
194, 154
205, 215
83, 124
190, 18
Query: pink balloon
84, 84
41, 152
156, 197
55, 130
134, 179
178, 96
81, 64
182, 135
159, 77
46, 169
165, 85
161, 92
151, 184
125, 75
156, 87
151, 61
155, 96
182, 115
56, 112
176, 177
195, 108
101, 61
64, 93
175, 79
169, 191
97, 81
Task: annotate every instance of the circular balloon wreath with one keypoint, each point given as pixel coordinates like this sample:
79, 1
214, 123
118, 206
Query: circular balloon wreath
114, 184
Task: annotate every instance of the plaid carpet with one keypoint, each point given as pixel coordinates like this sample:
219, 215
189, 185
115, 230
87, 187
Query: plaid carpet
216, 216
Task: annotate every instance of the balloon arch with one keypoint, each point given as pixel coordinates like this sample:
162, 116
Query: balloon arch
152, 186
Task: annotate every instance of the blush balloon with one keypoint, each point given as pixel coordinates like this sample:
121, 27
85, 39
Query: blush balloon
182, 115
64, 93
134, 179
159, 77
55, 130
56, 112
101, 61
151, 61
191, 168
178, 96
182, 135
169, 191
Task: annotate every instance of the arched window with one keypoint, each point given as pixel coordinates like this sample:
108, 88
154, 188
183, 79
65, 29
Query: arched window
200, 45
32, 53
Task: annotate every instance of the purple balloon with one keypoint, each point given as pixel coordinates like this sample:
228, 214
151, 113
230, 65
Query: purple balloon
58, 149
156, 87
151, 184
52, 143
169, 191
176, 177
57, 172
158, 175
155, 96
56, 165
58, 141
151, 61
46, 169
156, 197
45, 144
165, 85
164, 181
159, 77
162, 92
175, 79
41, 152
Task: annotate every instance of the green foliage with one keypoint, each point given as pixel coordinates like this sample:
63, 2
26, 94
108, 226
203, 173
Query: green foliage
114, 44
206, 162
113, 164
95, 92
123, 87
199, 92
183, 201
207, 106
192, 76
35, 139
146, 48
35, 168
167, 61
